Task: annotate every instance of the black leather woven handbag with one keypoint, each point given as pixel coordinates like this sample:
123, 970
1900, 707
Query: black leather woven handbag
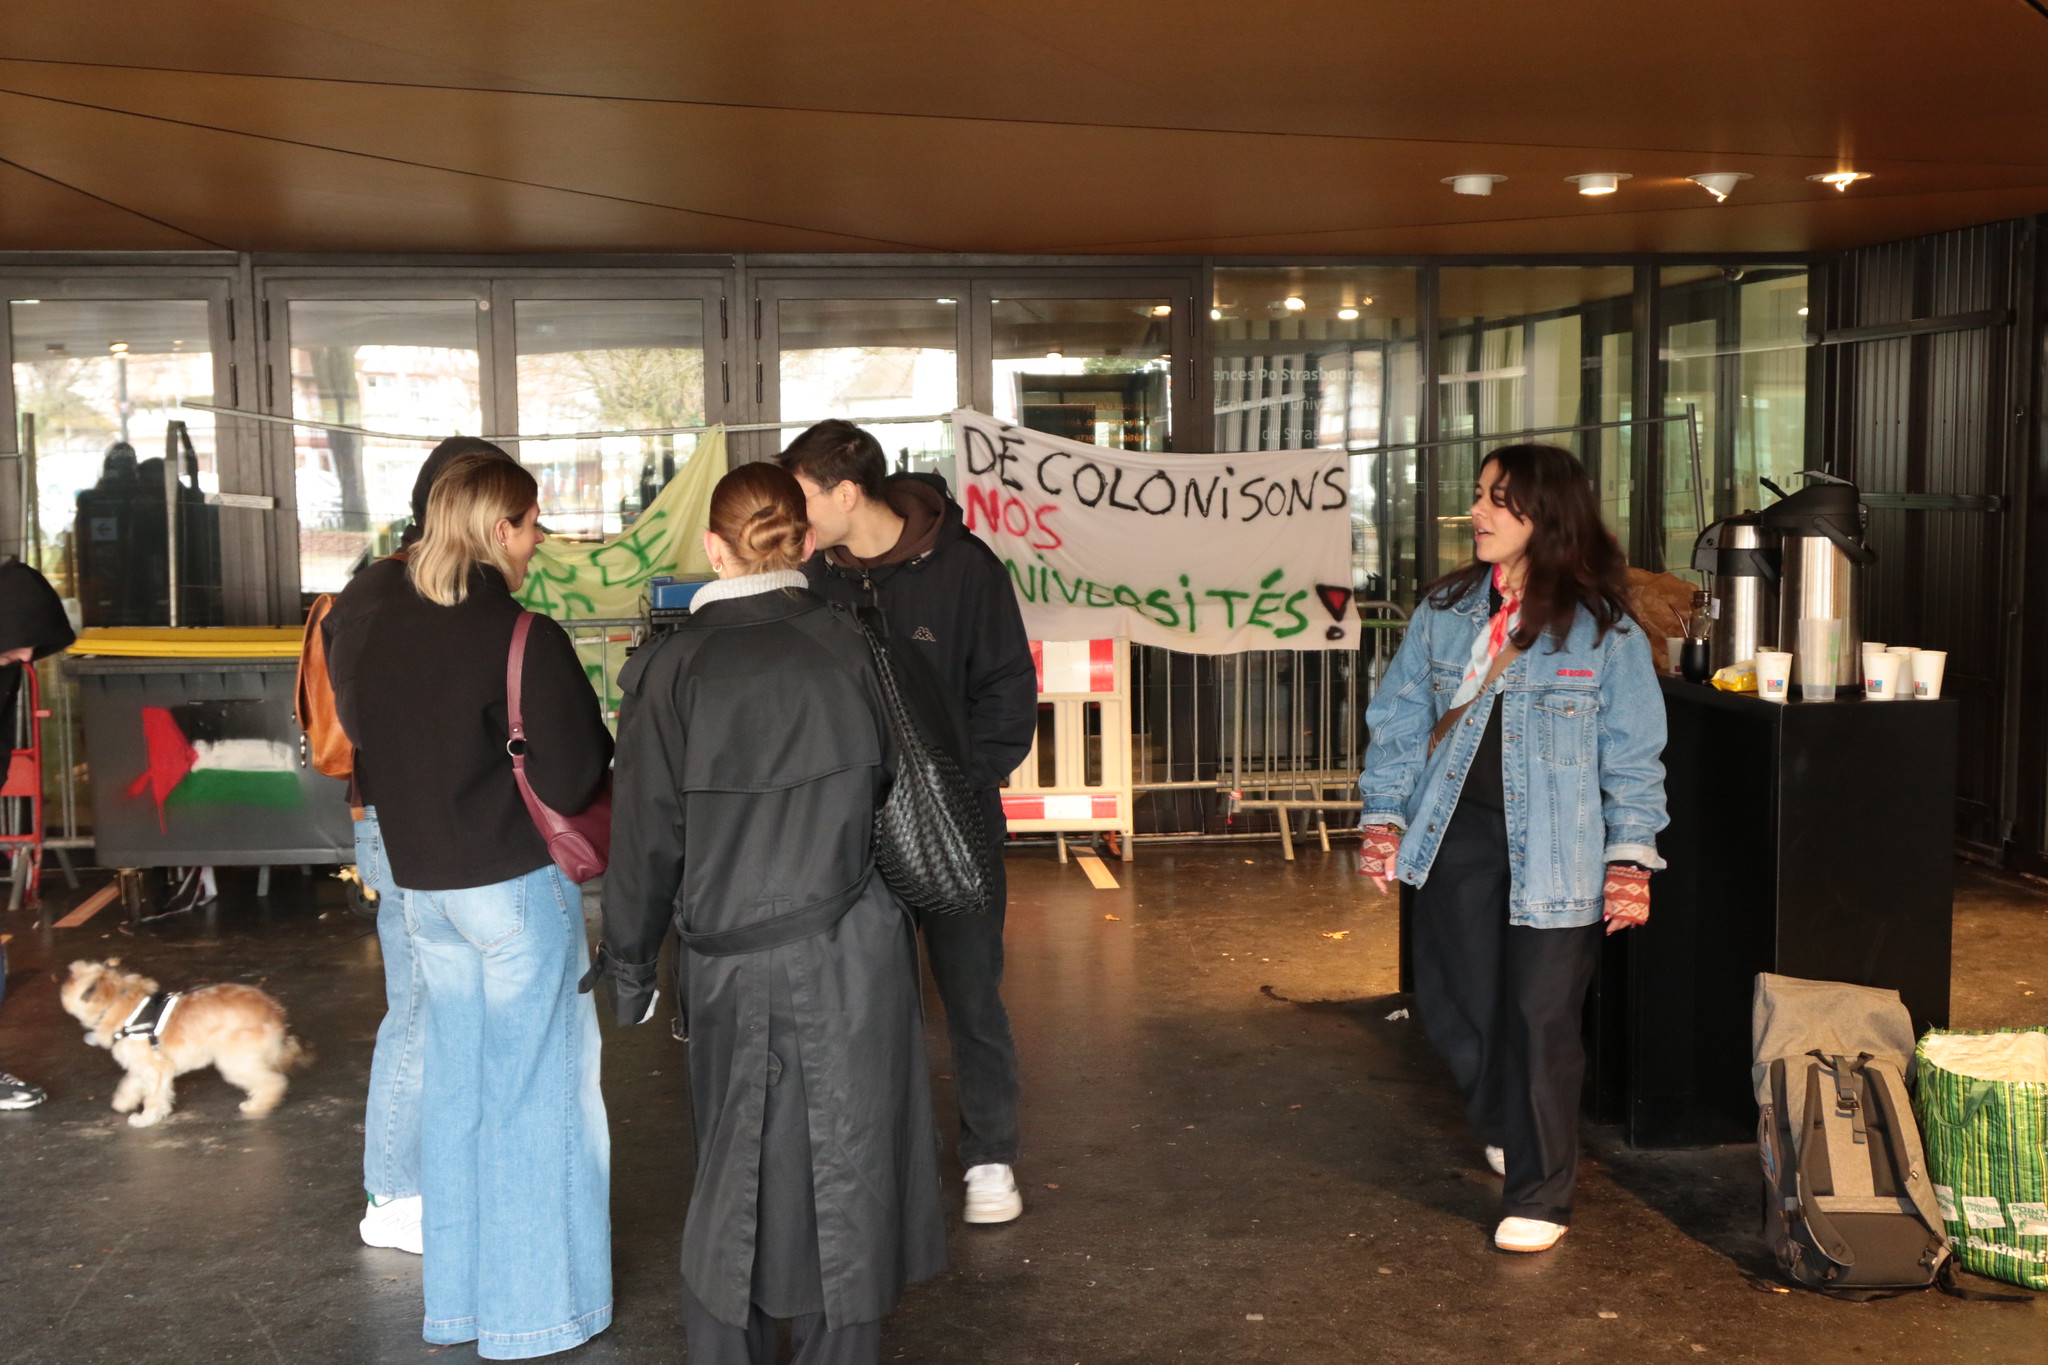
930, 843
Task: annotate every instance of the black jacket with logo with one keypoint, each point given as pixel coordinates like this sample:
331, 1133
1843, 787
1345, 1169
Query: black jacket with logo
954, 607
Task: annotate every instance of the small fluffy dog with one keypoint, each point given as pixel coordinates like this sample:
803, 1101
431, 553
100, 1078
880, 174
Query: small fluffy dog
237, 1029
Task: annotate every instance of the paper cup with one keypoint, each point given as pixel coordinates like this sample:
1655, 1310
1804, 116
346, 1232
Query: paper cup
1881, 677
1773, 675
1928, 666
1874, 646
1672, 649
1820, 654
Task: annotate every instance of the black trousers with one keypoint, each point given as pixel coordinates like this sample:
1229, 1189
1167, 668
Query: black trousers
712, 1342
1502, 1004
966, 957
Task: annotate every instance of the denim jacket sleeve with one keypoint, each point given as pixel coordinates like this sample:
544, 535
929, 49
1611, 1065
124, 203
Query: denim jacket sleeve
1631, 750
1398, 724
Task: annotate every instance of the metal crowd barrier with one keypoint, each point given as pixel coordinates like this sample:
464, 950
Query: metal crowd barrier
1243, 745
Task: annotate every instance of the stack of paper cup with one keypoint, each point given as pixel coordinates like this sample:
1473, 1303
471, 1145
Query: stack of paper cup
1881, 676
1773, 675
1928, 666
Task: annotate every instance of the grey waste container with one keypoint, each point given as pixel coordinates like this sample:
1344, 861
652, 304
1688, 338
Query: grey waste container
200, 761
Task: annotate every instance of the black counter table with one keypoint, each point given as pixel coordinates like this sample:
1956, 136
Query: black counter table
1807, 838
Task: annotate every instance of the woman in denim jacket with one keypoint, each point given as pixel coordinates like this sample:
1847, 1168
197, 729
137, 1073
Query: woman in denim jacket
1514, 780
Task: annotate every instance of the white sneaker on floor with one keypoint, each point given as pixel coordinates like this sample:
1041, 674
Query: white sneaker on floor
1497, 1160
992, 1194
393, 1223
1527, 1234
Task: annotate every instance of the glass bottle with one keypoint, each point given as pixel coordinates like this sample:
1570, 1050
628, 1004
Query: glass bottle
1695, 658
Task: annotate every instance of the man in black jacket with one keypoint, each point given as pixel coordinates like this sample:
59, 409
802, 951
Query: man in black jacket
33, 625
901, 544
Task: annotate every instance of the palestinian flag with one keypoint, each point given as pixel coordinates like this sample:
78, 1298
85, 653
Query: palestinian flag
215, 753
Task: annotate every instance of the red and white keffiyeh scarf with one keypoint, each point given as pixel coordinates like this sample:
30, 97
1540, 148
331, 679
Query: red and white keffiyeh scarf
1491, 641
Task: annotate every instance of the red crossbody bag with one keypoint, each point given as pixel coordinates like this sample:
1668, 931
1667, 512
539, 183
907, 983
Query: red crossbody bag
580, 844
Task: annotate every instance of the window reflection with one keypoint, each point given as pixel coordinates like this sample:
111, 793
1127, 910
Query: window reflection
103, 380
596, 365
1734, 346
405, 367
1328, 358
1525, 348
866, 358
1091, 370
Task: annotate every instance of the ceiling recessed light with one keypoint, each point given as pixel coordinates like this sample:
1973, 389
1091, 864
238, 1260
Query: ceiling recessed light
119, 348
1348, 314
1054, 355
1293, 303
1841, 180
1720, 184
1215, 315
1472, 184
1599, 182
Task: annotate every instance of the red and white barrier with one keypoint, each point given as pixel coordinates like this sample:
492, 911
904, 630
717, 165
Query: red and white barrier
1075, 678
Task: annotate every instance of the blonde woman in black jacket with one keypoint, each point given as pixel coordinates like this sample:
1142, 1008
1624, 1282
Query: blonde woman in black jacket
514, 1153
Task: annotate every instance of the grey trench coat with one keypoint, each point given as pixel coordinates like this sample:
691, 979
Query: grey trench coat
752, 751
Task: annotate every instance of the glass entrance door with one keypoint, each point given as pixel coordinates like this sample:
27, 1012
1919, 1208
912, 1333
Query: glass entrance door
1088, 360
98, 385
404, 367
872, 352
598, 364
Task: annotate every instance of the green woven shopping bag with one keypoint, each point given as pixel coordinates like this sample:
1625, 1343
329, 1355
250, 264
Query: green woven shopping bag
1983, 1109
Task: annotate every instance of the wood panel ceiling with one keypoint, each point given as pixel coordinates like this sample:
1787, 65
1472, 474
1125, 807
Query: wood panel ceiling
1065, 126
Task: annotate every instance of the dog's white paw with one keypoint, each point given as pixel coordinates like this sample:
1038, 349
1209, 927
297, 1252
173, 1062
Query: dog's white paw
145, 1119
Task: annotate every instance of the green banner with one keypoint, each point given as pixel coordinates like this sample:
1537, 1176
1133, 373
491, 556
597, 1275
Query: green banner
578, 584
572, 582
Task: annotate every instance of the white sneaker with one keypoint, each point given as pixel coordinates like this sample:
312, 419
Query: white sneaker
393, 1223
1498, 1160
1527, 1234
992, 1194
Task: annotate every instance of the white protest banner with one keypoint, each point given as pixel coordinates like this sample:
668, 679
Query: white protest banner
1207, 554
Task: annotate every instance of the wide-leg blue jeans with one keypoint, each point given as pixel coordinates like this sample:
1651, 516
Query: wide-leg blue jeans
391, 1118
515, 1158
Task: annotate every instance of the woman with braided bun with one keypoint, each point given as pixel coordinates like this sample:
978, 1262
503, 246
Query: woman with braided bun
1514, 780
753, 750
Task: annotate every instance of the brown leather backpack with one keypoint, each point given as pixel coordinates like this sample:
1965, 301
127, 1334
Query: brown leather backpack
327, 745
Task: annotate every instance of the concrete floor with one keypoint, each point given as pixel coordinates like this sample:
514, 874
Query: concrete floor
1232, 1156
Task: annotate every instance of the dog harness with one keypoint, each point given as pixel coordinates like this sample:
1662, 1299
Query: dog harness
150, 1017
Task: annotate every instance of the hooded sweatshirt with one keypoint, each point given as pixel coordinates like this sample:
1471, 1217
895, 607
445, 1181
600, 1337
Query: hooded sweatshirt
948, 600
